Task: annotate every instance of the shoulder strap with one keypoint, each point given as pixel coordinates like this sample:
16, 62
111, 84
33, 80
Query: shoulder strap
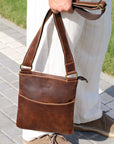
83, 7
69, 62
29, 57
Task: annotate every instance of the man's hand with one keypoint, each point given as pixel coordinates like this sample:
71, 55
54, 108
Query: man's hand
61, 5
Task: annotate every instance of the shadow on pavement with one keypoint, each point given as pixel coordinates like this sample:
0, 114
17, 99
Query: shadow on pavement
86, 138
110, 91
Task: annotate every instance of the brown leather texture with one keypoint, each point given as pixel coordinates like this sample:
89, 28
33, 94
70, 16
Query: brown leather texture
47, 88
49, 117
46, 102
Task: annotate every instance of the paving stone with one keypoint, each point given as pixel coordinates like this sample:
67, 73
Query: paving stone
12, 94
3, 27
15, 68
5, 122
4, 72
18, 45
2, 45
1, 66
11, 77
9, 39
1, 22
4, 86
1, 80
105, 108
104, 85
4, 103
111, 105
111, 113
14, 117
12, 25
6, 45
21, 51
1, 96
19, 60
8, 52
107, 78
9, 31
13, 132
89, 134
5, 140
19, 139
16, 35
10, 111
9, 63
3, 58
73, 137
23, 40
110, 90
102, 140
83, 140
106, 98
2, 36
16, 84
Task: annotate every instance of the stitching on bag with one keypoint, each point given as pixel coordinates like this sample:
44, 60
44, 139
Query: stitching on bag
69, 80
44, 103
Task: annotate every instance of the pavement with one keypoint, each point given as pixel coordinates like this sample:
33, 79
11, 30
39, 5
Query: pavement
12, 51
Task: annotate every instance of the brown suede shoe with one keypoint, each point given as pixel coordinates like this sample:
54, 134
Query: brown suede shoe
45, 139
103, 126
58, 139
49, 139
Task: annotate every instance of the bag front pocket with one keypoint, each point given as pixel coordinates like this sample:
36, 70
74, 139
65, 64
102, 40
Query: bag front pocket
48, 117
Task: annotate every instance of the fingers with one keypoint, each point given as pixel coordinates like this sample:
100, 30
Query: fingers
54, 11
61, 5
71, 10
57, 11
68, 8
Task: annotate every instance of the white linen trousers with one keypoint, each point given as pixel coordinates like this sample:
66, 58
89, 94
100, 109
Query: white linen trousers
88, 41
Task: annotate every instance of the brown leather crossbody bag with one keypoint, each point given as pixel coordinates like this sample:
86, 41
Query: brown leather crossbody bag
46, 102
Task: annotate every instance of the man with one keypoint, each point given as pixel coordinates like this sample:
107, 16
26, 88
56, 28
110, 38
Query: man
88, 41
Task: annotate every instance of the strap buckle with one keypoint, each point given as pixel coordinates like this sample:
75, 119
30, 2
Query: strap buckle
74, 75
98, 6
78, 77
25, 67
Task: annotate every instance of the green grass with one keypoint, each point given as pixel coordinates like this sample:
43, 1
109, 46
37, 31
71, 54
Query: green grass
15, 10
108, 66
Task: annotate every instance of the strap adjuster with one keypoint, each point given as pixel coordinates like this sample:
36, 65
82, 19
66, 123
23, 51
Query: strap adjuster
98, 6
25, 67
74, 75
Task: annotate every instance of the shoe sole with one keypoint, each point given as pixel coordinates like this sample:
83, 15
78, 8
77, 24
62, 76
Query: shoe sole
85, 128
